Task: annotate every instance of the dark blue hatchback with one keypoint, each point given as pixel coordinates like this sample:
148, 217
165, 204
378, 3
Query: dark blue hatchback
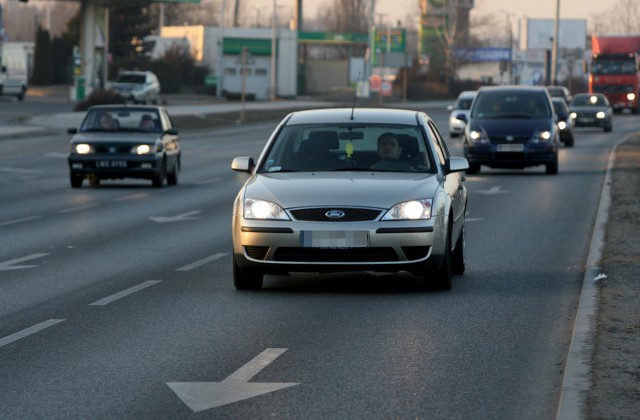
512, 127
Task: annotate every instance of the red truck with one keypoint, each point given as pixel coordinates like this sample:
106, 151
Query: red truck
615, 70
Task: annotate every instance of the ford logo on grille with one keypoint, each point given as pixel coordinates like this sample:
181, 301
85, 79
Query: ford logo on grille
509, 138
334, 214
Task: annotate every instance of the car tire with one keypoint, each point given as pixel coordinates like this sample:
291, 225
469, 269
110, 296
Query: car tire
459, 255
172, 177
441, 279
76, 180
569, 142
246, 280
474, 168
158, 178
608, 128
552, 168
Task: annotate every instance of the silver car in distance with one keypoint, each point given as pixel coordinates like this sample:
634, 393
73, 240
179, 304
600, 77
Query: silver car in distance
324, 197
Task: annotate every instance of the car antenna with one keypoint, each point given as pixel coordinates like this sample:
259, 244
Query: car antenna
355, 94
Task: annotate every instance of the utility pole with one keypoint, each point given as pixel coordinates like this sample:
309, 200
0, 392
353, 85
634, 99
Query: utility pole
554, 47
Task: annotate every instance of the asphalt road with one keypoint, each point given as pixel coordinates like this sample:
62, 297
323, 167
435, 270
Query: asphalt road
118, 301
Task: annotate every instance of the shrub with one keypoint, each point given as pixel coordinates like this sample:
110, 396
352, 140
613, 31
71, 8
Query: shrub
99, 97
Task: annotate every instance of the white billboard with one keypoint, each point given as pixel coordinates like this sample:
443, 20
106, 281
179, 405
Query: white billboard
538, 34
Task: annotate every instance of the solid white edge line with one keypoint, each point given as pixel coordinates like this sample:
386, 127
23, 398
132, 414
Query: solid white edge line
124, 293
25, 219
202, 262
29, 331
577, 373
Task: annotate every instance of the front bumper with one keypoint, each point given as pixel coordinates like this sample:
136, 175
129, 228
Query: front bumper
116, 166
530, 156
279, 247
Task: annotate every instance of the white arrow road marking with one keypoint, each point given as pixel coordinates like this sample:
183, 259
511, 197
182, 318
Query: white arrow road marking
493, 191
25, 219
178, 218
202, 262
124, 293
9, 265
201, 396
28, 331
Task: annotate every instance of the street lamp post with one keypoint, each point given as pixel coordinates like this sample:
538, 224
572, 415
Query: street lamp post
554, 47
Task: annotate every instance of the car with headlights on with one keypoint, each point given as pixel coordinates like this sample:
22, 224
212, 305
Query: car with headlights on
565, 121
120, 141
460, 112
592, 110
512, 127
345, 189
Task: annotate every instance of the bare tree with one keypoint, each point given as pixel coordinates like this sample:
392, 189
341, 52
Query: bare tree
622, 18
347, 16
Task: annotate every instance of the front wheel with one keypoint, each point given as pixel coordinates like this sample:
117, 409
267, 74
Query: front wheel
459, 255
608, 127
158, 178
441, 279
246, 280
172, 177
474, 168
552, 168
76, 180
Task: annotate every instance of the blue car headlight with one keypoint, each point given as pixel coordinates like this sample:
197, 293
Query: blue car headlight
478, 137
542, 136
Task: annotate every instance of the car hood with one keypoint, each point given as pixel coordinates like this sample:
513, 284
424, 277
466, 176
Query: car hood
511, 126
588, 108
362, 189
114, 137
125, 86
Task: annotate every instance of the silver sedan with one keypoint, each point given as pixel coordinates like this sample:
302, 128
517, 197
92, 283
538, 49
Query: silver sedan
351, 190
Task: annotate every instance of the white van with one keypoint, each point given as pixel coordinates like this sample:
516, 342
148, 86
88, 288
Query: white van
14, 70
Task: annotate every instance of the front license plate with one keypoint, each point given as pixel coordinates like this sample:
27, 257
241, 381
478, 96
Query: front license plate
111, 164
334, 239
510, 147
585, 120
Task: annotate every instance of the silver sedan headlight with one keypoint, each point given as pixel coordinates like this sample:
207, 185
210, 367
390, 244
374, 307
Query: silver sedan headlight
410, 210
263, 209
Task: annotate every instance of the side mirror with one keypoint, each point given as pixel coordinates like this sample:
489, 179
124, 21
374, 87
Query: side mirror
461, 117
243, 164
456, 164
72, 130
172, 131
450, 108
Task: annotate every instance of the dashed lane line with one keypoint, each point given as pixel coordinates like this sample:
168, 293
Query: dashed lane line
28, 331
124, 293
202, 262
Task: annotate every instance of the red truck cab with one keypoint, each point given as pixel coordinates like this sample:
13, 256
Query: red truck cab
615, 70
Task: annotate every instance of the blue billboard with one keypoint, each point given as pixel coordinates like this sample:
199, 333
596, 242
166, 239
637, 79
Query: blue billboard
482, 54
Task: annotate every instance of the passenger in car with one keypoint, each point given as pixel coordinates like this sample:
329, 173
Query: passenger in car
146, 123
107, 122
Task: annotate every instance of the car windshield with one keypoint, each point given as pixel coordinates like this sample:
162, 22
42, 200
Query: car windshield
589, 100
615, 65
120, 119
131, 78
511, 104
560, 107
463, 103
362, 147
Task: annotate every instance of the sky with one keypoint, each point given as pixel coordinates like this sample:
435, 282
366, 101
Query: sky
395, 10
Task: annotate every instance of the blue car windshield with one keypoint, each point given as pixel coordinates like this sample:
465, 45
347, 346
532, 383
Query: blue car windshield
511, 104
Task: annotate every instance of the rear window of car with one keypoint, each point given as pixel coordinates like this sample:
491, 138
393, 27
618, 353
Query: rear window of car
344, 147
463, 103
511, 104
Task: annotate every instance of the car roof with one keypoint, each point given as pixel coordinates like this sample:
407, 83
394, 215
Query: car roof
354, 115
468, 93
128, 107
512, 88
